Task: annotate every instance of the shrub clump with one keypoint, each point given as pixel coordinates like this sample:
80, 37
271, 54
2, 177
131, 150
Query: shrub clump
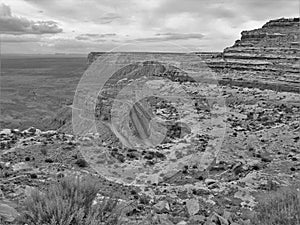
81, 163
70, 201
281, 207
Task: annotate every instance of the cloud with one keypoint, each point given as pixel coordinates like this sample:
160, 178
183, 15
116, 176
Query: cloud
88, 11
73, 45
268, 9
109, 18
85, 37
19, 38
5, 10
99, 24
171, 37
10, 24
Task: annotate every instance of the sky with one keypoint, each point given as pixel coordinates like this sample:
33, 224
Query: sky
82, 26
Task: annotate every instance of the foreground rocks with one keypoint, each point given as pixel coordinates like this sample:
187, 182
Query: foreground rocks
260, 152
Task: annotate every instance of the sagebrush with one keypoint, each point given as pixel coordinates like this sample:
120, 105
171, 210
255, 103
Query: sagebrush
70, 202
281, 207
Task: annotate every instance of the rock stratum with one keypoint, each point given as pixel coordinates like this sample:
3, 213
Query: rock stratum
268, 57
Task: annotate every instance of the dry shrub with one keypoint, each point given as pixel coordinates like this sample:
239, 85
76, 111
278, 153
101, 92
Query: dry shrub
70, 202
281, 207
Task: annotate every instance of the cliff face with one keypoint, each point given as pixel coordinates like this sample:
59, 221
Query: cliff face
269, 55
158, 56
267, 58
92, 56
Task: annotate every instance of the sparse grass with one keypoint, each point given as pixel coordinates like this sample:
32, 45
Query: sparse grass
281, 207
70, 202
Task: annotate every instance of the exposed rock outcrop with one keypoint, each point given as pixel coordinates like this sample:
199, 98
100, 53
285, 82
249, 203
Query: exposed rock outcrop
268, 57
92, 56
260, 153
265, 58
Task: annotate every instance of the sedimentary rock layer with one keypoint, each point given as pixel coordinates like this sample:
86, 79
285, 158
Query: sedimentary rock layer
268, 57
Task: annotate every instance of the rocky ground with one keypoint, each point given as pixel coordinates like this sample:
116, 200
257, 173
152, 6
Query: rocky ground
260, 152
194, 152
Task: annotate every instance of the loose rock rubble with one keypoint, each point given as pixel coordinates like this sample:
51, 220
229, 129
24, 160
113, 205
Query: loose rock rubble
260, 152
222, 147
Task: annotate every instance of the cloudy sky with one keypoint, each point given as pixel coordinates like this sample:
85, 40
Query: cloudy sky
81, 26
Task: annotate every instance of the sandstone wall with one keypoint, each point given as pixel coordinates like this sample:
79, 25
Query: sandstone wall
266, 58
269, 56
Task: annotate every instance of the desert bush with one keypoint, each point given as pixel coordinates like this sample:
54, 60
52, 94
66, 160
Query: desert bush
44, 151
70, 202
281, 207
81, 163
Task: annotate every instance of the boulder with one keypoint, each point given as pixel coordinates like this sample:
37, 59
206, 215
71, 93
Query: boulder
7, 213
162, 207
192, 206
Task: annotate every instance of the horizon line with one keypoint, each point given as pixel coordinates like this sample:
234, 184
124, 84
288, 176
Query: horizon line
65, 54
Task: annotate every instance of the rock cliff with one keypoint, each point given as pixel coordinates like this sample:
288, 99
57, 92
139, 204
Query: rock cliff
267, 57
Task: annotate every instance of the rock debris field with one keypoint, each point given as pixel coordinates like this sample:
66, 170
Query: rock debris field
195, 153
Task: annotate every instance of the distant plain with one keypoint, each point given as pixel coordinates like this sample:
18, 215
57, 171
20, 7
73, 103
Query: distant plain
34, 88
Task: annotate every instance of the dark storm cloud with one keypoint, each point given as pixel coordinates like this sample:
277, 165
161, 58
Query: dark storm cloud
10, 24
171, 37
